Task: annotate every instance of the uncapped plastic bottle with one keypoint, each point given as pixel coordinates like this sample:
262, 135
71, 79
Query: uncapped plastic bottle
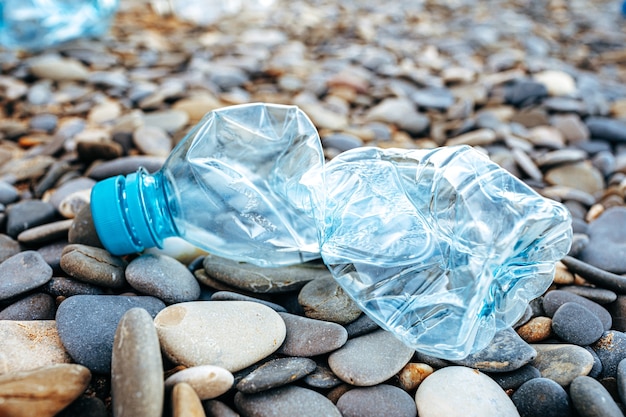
38, 24
441, 247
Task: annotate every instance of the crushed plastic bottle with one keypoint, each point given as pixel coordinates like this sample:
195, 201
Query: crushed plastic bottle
441, 247
38, 24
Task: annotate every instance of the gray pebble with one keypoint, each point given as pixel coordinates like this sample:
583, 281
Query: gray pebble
44, 122
611, 349
276, 373
595, 294
542, 397
170, 121
51, 253
621, 380
591, 399
23, 272
341, 141
87, 325
322, 378
234, 296
152, 140
361, 326
604, 128
381, 400
555, 299
618, 312
608, 230
70, 187
433, 98
286, 401
163, 277
8, 193
8, 247
67, 287
93, 265
83, 230
513, 379
506, 352
125, 165
596, 369
27, 214
45, 233
596, 275
525, 92
576, 324
215, 408
324, 299
36, 306
309, 337
562, 363
400, 112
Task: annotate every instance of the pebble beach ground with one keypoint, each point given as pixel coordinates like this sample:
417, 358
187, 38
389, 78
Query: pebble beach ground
537, 86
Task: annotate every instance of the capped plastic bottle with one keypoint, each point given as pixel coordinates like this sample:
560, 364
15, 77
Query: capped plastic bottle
38, 24
441, 247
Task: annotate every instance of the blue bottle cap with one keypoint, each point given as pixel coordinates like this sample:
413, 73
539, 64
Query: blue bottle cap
119, 216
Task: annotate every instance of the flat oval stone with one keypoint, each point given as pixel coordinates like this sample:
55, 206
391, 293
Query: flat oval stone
310, 337
258, 279
575, 324
514, 379
591, 398
542, 397
209, 381
286, 401
185, 401
598, 295
67, 287
28, 213
324, 299
413, 374
23, 272
621, 380
370, 359
87, 325
8, 247
381, 400
322, 377
506, 352
611, 349
612, 130
37, 306
126, 165
562, 363
26, 345
163, 277
152, 140
362, 325
56, 386
48, 232
607, 231
581, 176
536, 330
54, 67
136, 367
275, 373
83, 230
93, 265
230, 334
457, 391
556, 298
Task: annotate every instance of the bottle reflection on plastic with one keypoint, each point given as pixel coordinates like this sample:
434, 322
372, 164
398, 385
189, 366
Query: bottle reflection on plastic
442, 247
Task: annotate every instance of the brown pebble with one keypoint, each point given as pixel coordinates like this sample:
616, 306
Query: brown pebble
536, 330
412, 375
185, 402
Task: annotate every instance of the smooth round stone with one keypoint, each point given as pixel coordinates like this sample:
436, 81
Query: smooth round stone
152, 140
506, 352
621, 380
87, 325
618, 312
83, 230
56, 68
23, 272
125, 165
48, 232
525, 92
362, 325
8, 193
258, 279
535, 330
560, 156
51, 253
230, 334
604, 128
136, 367
104, 112
457, 391
309, 337
581, 176
233, 296
324, 299
71, 205
185, 401
33, 307
322, 377
70, 187
558, 83
27, 214
400, 112
95, 144
556, 298
572, 127
93, 265
562, 363
597, 363
607, 231
565, 105
22, 169
595, 275
26, 345
197, 105
478, 137
542, 397
595, 294
109, 79
56, 386
8, 247
514, 379
591, 399
611, 349
208, 381
433, 98
163, 277
44, 122
370, 359
381, 400
85, 406
413, 374
67, 287
276, 373
169, 120
575, 324
286, 401
341, 141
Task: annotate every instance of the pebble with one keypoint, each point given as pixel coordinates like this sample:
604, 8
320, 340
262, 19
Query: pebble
56, 68
597, 295
381, 400
400, 112
611, 349
87, 325
85, 406
36, 306
27, 345
433, 98
562, 362
457, 391
553, 300
185, 401
153, 141
621, 380
163, 277
208, 381
233, 296
214, 332
542, 397
535, 330
607, 230
413, 374
170, 121
8, 247
67, 287
286, 401
574, 130
514, 379
42, 392
370, 359
215, 408
591, 399
323, 378
575, 324
136, 367
525, 92
309, 337
26, 214
581, 176
506, 352
23, 272
276, 373
361, 326
8, 193
558, 83
603, 128
324, 299
93, 265
258, 279
49, 232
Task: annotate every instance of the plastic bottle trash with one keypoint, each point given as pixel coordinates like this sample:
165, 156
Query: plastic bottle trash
442, 247
38, 24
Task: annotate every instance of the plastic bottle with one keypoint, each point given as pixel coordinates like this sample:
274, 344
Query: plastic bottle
442, 247
38, 24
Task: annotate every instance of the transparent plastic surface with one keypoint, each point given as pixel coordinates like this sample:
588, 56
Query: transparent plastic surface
236, 184
39, 24
442, 247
